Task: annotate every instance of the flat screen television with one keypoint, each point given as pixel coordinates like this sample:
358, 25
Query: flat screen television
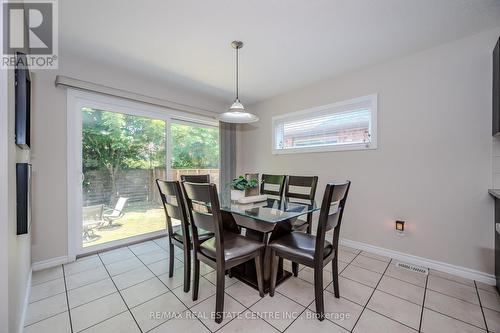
23, 101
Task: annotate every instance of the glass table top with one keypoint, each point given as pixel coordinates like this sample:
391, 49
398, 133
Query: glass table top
271, 210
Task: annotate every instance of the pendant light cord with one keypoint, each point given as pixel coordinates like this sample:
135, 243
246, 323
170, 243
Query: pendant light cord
237, 90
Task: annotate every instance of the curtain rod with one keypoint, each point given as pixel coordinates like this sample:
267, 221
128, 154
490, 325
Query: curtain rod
65, 81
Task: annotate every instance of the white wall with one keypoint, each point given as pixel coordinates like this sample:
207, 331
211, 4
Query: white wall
50, 225
433, 165
15, 251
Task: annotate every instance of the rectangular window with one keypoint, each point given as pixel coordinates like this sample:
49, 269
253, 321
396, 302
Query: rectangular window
347, 125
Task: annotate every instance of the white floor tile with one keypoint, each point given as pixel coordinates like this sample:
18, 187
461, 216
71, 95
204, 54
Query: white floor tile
278, 311
47, 289
361, 275
46, 308
46, 275
493, 320
243, 293
490, 300
298, 290
205, 311
371, 322
123, 266
352, 290
247, 322
122, 323
396, 308
340, 311
406, 275
433, 322
92, 313
206, 290
375, 256
307, 274
156, 311
455, 308
161, 267
83, 264
90, 292
186, 323
307, 322
452, 277
152, 257
370, 264
132, 277
212, 277
145, 247
402, 289
86, 277
143, 292
451, 288
116, 255
56, 324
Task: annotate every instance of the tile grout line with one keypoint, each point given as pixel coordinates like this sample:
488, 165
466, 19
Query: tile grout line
119, 293
171, 290
373, 292
481, 306
460, 320
67, 300
423, 303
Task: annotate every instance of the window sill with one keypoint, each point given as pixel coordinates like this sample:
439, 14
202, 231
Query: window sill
349, 147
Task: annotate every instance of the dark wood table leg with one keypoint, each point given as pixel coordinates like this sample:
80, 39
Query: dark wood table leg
246, 272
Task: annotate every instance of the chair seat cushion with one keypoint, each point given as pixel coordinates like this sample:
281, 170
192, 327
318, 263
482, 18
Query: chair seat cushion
202, 235
235, 247
299, 245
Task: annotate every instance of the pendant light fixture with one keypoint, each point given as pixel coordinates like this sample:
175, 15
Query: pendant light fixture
236, 113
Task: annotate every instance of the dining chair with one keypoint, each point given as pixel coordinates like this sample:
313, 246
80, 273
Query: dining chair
196, 178
315, 251
302, 189
272, 185
175, 208
225, 250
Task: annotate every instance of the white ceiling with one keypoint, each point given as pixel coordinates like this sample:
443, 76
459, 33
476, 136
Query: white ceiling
288, 43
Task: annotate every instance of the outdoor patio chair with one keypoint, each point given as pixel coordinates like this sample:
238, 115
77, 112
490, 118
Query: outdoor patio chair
113, 214
92, 219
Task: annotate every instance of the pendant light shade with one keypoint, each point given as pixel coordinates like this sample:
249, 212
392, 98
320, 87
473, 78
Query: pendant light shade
236, 113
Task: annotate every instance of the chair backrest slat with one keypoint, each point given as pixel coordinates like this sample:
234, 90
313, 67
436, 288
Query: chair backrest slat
202, 179
175, 208
204, 212
332, 210
308, 184
277, 180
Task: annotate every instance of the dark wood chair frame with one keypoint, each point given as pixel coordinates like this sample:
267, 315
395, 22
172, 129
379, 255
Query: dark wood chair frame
303, 181
327, 221
275, 180
196, 178
204, 210
178, 212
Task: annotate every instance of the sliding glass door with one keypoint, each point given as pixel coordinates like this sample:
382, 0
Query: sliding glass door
122, 155
195, 150
116, 151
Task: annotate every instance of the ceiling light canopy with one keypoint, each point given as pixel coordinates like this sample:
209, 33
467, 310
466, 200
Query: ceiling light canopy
236, 113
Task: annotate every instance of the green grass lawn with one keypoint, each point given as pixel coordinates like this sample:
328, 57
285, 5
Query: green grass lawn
138, 220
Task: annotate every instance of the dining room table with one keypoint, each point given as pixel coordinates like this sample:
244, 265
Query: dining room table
263, 221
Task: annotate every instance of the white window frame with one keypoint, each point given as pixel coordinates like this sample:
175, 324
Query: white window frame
76, 99
335, 107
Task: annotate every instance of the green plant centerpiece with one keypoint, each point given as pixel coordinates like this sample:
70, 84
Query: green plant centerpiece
243, 187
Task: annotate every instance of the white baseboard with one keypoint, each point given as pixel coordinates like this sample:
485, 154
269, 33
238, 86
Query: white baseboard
26, 302
433, 264
39, 265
